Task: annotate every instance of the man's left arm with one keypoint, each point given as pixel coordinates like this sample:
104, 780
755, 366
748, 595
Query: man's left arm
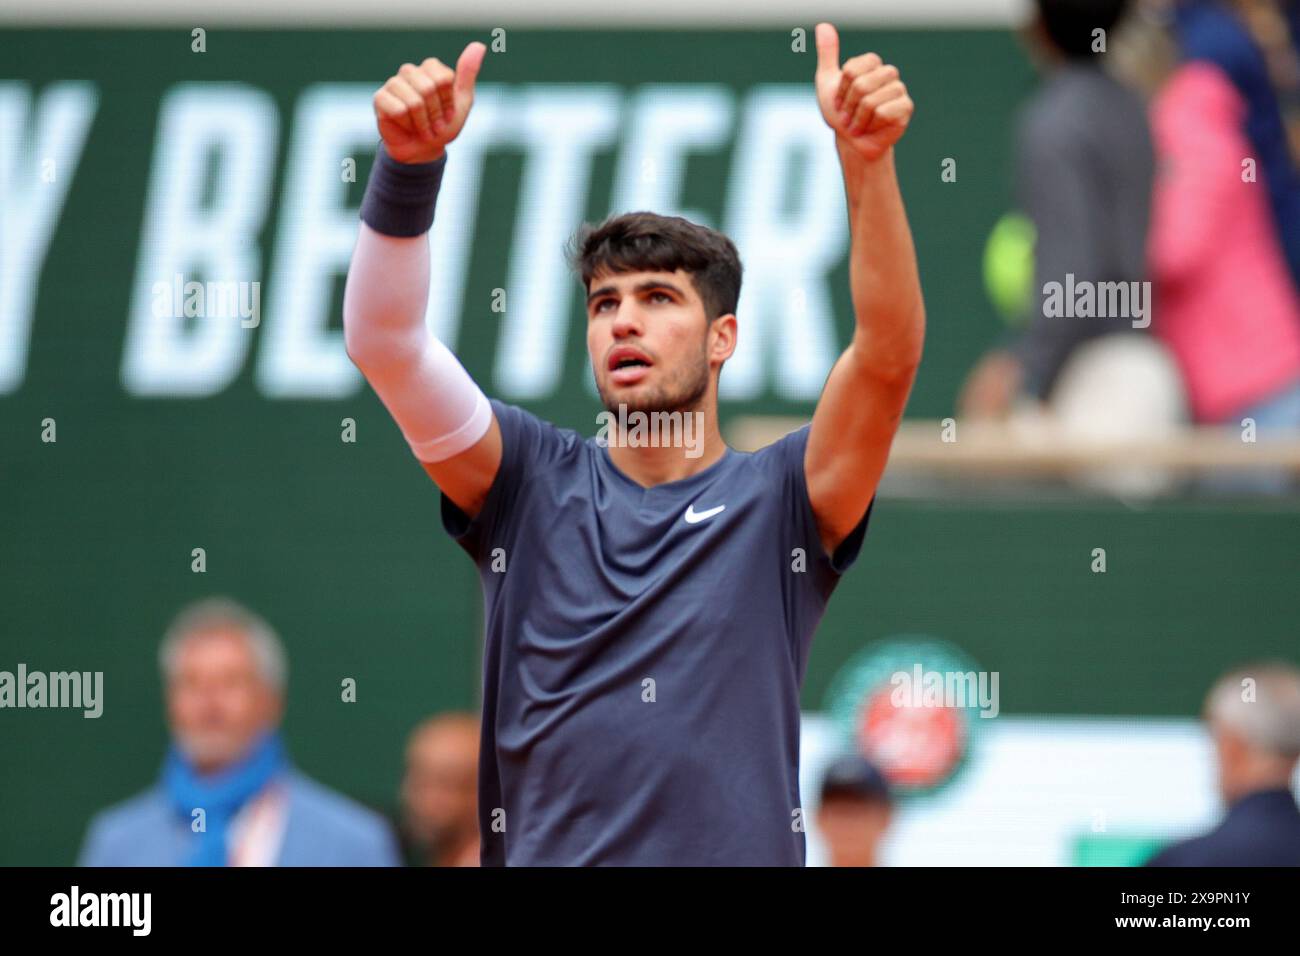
860, 408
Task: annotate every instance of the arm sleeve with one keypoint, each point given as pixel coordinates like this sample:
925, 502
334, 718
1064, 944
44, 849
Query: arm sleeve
438, 407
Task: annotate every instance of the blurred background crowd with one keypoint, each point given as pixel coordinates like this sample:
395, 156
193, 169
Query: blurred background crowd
1159, 152
229, 794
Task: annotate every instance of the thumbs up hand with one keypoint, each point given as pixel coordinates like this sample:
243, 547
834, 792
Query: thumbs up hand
420, 109
864, 101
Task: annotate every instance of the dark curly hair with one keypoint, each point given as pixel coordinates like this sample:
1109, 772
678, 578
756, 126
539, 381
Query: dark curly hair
1069, 23
648, 242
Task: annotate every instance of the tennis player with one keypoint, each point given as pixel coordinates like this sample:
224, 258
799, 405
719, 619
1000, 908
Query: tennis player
649, 606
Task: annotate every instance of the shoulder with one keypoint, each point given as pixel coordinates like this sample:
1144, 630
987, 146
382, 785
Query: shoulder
332, 815
1191, 852
1196, 90
778, 467
782, 464
1063, 115
141, 810
784, 453
535, 453
116, 830
1206, 32
1240, 840
525, 435
1051, 112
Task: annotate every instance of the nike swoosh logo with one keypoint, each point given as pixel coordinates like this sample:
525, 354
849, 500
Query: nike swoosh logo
695, 517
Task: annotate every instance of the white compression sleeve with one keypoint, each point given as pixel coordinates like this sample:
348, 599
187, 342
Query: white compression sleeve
439, 408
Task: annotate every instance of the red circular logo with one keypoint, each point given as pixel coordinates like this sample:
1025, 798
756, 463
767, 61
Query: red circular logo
914, 746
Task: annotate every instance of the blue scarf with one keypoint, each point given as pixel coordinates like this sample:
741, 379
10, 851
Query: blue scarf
219, 795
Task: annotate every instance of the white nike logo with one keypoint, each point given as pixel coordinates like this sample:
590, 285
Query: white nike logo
695, 517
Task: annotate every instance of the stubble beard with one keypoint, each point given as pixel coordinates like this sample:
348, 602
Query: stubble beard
682, 393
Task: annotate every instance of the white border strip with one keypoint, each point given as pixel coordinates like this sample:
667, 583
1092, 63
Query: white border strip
568, 14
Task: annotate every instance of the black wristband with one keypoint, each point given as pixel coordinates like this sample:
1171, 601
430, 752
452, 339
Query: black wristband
400, 197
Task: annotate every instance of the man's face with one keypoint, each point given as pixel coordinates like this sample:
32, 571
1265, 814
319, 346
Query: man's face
651, 346
440, 788
217, 702
853, 829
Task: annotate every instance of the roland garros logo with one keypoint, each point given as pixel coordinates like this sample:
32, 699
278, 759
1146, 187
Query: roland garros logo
912, 706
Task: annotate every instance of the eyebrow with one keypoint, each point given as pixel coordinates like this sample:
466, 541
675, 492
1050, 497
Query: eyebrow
644, 286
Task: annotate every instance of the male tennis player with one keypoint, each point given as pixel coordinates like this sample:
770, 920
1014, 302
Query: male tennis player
649, 608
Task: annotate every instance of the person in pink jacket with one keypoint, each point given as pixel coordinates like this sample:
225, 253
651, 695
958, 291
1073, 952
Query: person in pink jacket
1225, 303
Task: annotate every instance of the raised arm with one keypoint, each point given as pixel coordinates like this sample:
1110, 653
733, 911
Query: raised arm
860, 408
443, 414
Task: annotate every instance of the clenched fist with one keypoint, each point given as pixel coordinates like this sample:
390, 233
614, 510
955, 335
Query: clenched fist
864, 101
423, 108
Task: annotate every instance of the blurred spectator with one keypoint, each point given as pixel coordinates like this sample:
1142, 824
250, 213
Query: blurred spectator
1084, 166
440, 792
1251, 42
228, 794
1227, 303
855, 810
1254, 717
1227, 306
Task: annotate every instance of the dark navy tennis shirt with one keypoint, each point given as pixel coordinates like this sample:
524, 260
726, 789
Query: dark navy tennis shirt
642, 670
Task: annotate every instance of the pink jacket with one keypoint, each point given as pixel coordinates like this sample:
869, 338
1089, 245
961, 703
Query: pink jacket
1224, 301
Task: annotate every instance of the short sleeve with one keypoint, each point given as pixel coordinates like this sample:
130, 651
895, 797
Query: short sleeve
788, 458
529, 445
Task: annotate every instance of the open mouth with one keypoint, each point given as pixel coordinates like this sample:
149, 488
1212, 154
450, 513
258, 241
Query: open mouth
628, 365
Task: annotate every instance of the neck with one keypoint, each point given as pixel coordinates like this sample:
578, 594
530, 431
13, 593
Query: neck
1257, 780
863, 858
689, 445
207, 766
210, 768
458, 851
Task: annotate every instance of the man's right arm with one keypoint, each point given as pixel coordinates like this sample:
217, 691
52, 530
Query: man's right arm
443, 414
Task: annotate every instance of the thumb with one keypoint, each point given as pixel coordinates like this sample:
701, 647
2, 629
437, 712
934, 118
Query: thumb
467, 67
828, 49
